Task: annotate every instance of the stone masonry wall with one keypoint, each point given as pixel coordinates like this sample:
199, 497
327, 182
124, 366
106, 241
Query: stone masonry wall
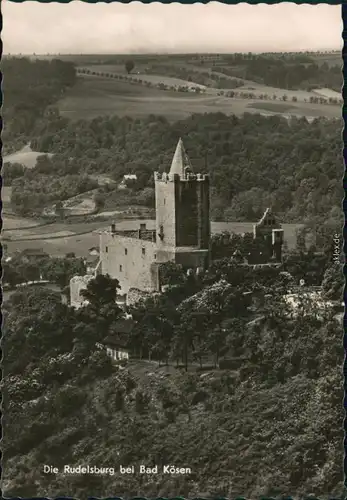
129, 260
77, 284
166, 212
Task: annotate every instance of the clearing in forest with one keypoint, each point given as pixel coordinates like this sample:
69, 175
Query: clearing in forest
25, 156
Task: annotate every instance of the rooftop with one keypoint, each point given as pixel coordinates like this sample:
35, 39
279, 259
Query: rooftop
180, 160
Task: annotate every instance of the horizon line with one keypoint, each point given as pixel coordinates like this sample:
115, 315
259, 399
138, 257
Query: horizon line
214, 53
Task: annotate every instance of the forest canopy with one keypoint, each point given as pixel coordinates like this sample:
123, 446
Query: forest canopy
254, 161
29, 86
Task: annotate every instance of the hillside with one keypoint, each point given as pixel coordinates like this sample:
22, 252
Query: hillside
251, 430
30, 87
238, 455
108, 96
300, 161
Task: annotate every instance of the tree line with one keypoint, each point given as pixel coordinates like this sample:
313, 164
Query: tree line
57, 270
212, 80
287, 72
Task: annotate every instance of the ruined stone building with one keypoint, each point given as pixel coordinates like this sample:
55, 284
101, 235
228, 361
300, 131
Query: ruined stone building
181, 235
268, 238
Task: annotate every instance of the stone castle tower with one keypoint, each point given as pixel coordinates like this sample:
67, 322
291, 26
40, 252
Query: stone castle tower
182, 213
181, 234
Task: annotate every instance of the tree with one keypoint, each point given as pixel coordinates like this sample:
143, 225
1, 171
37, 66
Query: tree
155, 319
333, 282
38, 307
101, 291
99, 200
59, 208
101, 312
61, 270
11, 171
129, 65
11, 275
171, 274
28, 271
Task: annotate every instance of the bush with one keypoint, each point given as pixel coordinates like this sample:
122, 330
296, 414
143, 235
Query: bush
231, 363
199, 397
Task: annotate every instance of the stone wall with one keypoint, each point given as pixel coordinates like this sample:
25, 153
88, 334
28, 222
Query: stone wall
204, 221
165, 202
134, 295
129, 260
77, 284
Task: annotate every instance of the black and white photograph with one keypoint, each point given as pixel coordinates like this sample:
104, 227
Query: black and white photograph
172, 250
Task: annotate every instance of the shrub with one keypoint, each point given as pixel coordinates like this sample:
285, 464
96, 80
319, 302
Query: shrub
231, 363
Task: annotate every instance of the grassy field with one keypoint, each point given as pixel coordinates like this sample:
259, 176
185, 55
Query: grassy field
140, 73
25, 156
168, 80
18, 223
332, 58
273, 107
103, 179
56, 239
94, 96
81, 204
58, 247
327, 93
111, 68
248, 85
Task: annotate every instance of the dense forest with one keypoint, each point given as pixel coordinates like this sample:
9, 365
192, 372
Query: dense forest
284, 71
34, 192
67, 404
253, 161
29, 86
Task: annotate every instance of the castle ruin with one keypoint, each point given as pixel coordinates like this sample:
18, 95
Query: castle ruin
181, 235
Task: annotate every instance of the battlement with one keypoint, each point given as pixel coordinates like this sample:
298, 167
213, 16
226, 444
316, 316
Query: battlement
164, 177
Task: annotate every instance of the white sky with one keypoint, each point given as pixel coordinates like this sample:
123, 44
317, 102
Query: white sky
79, 27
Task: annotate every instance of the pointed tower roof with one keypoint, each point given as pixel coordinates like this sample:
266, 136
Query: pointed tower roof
180, 160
